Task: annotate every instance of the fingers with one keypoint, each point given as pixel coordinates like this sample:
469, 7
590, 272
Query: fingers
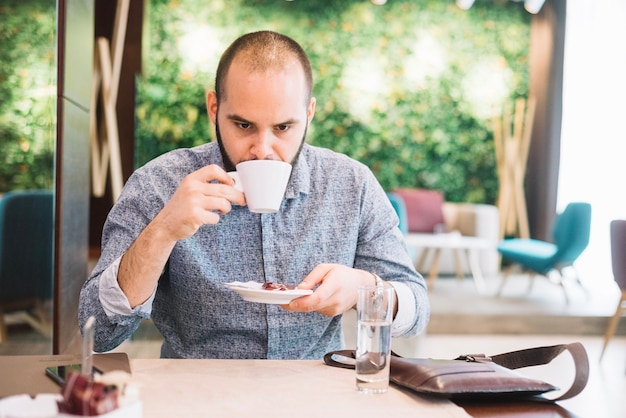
316, 276
199, 200
215, 182
212, 172
335, 292
316, 302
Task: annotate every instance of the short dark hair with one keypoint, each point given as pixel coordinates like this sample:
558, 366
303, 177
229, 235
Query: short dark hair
263, 50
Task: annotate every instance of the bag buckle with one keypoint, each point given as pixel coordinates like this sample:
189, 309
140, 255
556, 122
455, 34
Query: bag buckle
474, 358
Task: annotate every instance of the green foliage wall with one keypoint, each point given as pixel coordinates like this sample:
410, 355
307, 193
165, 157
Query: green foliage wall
27, 94
408, 88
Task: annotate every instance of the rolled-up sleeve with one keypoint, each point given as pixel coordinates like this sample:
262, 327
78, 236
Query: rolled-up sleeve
405, 317
114, 301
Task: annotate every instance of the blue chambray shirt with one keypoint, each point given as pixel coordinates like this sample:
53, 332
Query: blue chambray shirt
334, 211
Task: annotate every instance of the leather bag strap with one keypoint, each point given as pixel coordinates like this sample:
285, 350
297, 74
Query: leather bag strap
349, 356
543, 355
512, 360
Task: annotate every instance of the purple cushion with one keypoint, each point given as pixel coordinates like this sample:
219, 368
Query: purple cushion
424, 208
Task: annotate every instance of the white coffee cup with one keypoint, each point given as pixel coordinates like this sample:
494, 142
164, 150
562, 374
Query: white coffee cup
263, 182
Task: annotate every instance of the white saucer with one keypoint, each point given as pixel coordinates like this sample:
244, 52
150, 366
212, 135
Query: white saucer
254, 292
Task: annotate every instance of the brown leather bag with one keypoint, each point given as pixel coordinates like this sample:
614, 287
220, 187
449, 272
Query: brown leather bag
478, 376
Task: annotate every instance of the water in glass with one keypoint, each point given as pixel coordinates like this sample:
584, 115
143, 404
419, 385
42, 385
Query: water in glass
372, 362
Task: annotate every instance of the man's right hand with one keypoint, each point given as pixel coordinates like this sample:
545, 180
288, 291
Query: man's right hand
198, 201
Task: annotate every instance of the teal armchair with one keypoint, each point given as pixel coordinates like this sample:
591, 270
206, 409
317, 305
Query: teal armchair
26, 256
570, 237
400, 208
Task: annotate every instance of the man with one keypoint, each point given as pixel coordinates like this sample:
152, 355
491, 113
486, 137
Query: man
180, 229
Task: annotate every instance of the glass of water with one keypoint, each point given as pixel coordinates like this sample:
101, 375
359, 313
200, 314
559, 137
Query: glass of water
374, 316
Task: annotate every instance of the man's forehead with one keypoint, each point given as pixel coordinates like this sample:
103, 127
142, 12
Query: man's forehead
244, 86
241, 66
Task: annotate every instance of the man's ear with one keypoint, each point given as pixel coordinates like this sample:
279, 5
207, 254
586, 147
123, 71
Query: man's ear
211, 106
310, 112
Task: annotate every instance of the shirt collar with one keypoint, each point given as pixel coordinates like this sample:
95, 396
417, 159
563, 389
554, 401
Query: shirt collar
300, 181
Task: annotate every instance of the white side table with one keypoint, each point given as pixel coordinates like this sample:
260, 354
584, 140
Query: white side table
462, 246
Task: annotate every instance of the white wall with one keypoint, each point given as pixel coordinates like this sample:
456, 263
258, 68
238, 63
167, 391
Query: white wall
593, 142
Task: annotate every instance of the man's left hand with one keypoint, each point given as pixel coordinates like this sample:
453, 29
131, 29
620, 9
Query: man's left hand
336, 292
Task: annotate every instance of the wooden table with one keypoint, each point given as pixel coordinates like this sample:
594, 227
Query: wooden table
262, 388
462, 246
270, 388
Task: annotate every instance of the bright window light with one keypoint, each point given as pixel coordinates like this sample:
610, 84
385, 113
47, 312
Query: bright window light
533, 6
464, 4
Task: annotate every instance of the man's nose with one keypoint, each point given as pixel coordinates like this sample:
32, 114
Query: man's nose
262, 147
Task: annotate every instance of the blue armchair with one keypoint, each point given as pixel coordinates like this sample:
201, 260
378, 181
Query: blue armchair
26, 256
398, 205
570, 234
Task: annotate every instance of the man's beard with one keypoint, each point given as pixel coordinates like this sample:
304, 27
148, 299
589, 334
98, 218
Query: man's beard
229, 165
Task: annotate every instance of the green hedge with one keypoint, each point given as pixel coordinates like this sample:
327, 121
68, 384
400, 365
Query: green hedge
408, 88
27, 94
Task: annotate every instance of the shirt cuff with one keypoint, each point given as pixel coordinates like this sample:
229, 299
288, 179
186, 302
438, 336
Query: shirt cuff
112, 298
406, 309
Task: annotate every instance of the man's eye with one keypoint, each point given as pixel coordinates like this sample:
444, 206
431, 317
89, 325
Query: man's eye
243, 125
282, 127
